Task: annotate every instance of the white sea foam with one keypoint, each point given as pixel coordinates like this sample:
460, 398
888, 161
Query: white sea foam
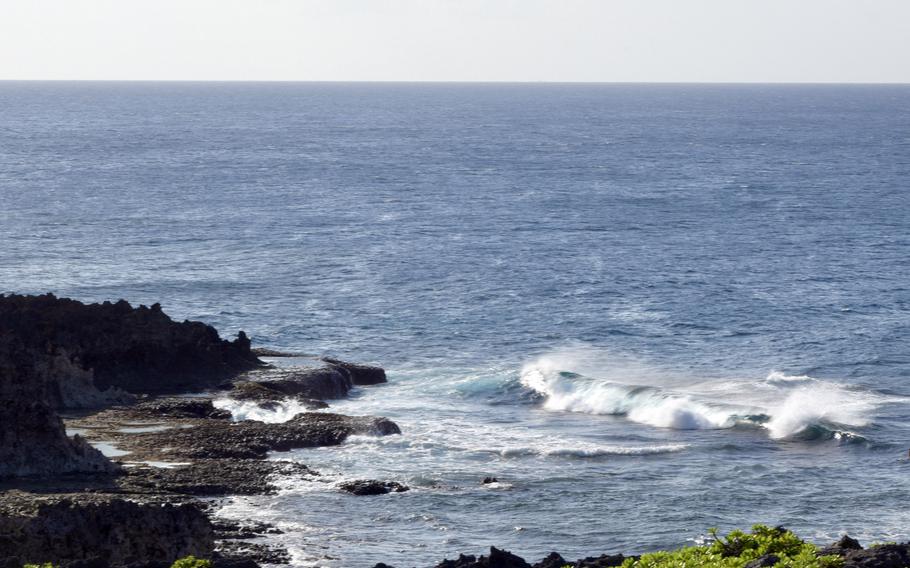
789, 405
246, 410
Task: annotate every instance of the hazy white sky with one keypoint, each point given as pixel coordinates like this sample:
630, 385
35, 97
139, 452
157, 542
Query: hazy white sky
458, 40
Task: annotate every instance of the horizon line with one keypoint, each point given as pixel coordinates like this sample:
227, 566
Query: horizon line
457, 82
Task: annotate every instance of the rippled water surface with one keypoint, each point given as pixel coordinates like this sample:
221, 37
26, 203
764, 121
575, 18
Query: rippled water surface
647, 310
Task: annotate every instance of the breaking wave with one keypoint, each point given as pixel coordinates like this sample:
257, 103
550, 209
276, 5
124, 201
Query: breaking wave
274, 413
796, 407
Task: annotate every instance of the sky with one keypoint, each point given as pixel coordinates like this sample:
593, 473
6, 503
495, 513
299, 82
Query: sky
842, 41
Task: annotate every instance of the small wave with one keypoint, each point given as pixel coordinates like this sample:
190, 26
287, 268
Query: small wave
592, 452
274, 413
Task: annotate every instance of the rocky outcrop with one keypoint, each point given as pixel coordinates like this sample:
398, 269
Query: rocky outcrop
372, 487
322, 383
106, 530
877, 556
217, 439
96, 354
360, 375
33, 440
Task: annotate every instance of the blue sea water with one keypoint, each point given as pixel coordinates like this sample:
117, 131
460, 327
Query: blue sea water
646, 309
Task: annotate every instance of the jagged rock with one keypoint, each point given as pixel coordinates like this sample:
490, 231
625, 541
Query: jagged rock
361, 375
252, 551
213, 477
218, 439
182, 408
552, 560
881, 556
489, 480
95, 353
372, 487
33, 440
99, 528
497, 559
841, 547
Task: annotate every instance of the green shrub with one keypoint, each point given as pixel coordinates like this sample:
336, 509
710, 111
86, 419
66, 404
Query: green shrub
192, 562
737, 549
45, 565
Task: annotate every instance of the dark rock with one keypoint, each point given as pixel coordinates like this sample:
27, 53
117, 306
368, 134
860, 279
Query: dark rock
497, 559
602, 561
218, 439
213, 477
841, 547
242, 530
881, 556
463, 561
251, 551
278, 384
552, 560
93, 354
267, 352
372, 487
361, 375
100, 528
182, 408
763, 561
489, 480
380, 565
33, 440
504, 559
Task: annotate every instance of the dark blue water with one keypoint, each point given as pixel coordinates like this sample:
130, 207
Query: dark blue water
648, 310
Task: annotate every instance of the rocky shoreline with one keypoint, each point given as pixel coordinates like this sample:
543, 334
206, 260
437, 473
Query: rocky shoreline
141, 387
77, 377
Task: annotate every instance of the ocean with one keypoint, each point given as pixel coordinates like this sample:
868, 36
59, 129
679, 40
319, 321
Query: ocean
647, 310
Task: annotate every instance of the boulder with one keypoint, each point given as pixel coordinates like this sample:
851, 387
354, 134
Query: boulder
372, 487
361, 375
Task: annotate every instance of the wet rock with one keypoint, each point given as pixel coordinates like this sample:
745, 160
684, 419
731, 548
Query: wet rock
552, 560
763, 561
213, 477
881, 556
216, 439
66, 528
489, 480
361, 375
181, 408
242, 530
278, 384
93, 353
267, 352
372, 487
841, 547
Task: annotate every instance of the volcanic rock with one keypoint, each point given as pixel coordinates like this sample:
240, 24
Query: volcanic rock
372, 487
94, 354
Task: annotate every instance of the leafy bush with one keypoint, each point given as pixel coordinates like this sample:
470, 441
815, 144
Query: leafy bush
45, 565
739, 548
192, 562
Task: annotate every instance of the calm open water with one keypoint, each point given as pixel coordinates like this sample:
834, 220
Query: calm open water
647, 309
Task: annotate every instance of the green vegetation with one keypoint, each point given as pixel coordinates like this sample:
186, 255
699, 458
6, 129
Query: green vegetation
738, 549
45, 565
192, 562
